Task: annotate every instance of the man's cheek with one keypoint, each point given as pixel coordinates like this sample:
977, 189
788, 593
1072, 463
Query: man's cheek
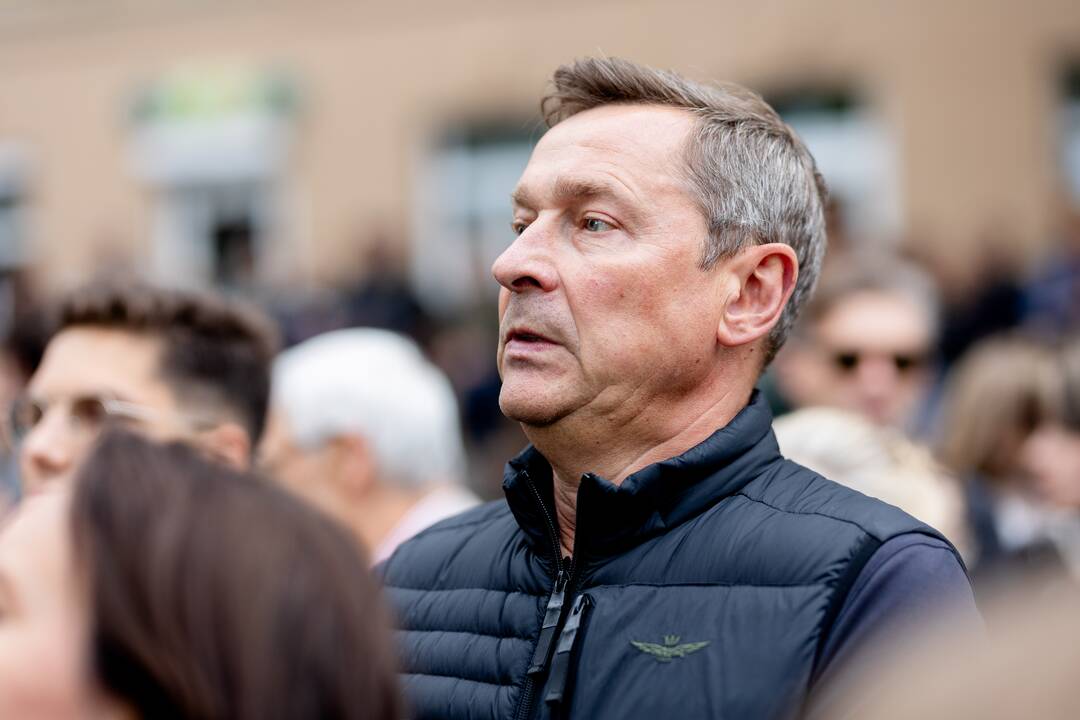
504, 300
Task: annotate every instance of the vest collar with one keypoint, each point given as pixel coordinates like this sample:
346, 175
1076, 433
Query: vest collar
649, 502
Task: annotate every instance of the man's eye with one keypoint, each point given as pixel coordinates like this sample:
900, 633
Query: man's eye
518, 226
597, 225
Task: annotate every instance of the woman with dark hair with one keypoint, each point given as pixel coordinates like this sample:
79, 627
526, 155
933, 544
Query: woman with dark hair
198, 591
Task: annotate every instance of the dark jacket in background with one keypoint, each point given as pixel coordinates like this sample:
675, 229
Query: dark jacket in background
703, 586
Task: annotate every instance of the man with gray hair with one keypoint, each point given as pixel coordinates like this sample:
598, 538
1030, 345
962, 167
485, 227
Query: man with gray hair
656, 557
365, 428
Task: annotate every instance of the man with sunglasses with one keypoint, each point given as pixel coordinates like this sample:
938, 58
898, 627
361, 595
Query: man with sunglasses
173, 364
865, 343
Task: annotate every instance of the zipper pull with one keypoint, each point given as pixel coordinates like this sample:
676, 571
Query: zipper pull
551, 621
560, 666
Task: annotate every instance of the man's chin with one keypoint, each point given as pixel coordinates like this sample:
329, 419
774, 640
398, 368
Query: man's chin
533, 410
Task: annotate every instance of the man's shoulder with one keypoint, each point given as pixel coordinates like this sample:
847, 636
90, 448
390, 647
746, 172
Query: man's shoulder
455, 539
795, 490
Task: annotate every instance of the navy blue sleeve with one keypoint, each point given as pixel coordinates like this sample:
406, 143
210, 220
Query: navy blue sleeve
909, 582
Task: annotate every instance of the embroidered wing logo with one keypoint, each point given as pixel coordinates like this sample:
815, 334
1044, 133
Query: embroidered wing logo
671, 648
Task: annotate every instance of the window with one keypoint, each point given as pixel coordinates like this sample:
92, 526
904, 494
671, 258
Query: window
12, 207
1070, 126
462, 213
211, 233
212, 144
856, 154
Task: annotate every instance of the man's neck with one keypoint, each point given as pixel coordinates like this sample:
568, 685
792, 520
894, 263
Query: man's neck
614, 451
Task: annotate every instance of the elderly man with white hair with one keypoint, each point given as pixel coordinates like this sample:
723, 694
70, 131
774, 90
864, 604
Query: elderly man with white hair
366, 428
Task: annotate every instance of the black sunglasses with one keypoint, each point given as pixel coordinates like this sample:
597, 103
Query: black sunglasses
848, 361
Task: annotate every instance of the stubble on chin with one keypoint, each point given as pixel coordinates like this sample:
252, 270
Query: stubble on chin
531, 409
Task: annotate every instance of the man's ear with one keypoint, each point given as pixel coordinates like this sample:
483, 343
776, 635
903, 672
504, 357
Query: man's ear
229, 443
762, 278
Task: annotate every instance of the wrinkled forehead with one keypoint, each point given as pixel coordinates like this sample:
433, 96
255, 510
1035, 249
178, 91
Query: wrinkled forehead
645, 139
877, 320
88, 360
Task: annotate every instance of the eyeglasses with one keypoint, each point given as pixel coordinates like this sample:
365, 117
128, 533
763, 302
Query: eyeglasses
86, 414
848, 361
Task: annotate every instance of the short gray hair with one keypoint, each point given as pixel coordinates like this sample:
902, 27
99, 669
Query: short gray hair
378, 385
755, 180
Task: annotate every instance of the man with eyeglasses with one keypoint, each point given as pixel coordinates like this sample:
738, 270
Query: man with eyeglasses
173, 364
865, 343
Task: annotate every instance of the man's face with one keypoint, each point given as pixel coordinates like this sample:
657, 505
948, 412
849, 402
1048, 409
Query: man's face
605, 311
83, 365
867, 354
1050, 457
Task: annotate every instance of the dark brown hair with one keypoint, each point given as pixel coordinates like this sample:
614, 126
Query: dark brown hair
215, 595
754, 179
216, 353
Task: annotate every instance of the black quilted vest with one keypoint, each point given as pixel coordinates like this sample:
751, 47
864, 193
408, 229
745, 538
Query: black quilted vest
703, 586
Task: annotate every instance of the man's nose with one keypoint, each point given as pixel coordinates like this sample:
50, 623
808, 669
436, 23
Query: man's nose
47, 452
528, 262
877, 374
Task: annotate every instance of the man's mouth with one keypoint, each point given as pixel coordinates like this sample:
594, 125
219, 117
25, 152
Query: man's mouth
526, 339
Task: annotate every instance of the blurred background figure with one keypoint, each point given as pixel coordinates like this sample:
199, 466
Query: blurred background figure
1025, 666
865, 343
877, 461
173, 364
1051, 453
20, 354
367, 429
170, 586
1003, 409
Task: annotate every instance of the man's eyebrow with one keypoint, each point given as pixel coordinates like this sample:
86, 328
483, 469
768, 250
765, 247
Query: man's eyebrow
521, 197
565, 190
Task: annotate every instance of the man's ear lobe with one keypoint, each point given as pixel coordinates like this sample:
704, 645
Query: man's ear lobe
764, 277
228, 443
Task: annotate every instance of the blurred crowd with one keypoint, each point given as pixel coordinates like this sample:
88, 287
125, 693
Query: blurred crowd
960, 407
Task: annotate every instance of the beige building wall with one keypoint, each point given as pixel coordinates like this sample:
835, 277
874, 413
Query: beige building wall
968, 88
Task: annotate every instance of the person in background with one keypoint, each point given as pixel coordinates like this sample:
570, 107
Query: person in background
174, 364
1024, 666
878, 461
171, 586
1051, 453
367, 429
20, 354
996, 397
865, 343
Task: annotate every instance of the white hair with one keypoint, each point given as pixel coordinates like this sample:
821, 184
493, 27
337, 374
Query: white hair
378, 385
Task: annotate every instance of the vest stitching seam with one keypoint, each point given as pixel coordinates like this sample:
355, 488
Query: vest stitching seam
427, 591
808, 512
458, 677
704, 584
468, 632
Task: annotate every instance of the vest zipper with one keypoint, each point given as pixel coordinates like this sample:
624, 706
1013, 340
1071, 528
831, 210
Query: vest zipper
552, 615
560, 666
